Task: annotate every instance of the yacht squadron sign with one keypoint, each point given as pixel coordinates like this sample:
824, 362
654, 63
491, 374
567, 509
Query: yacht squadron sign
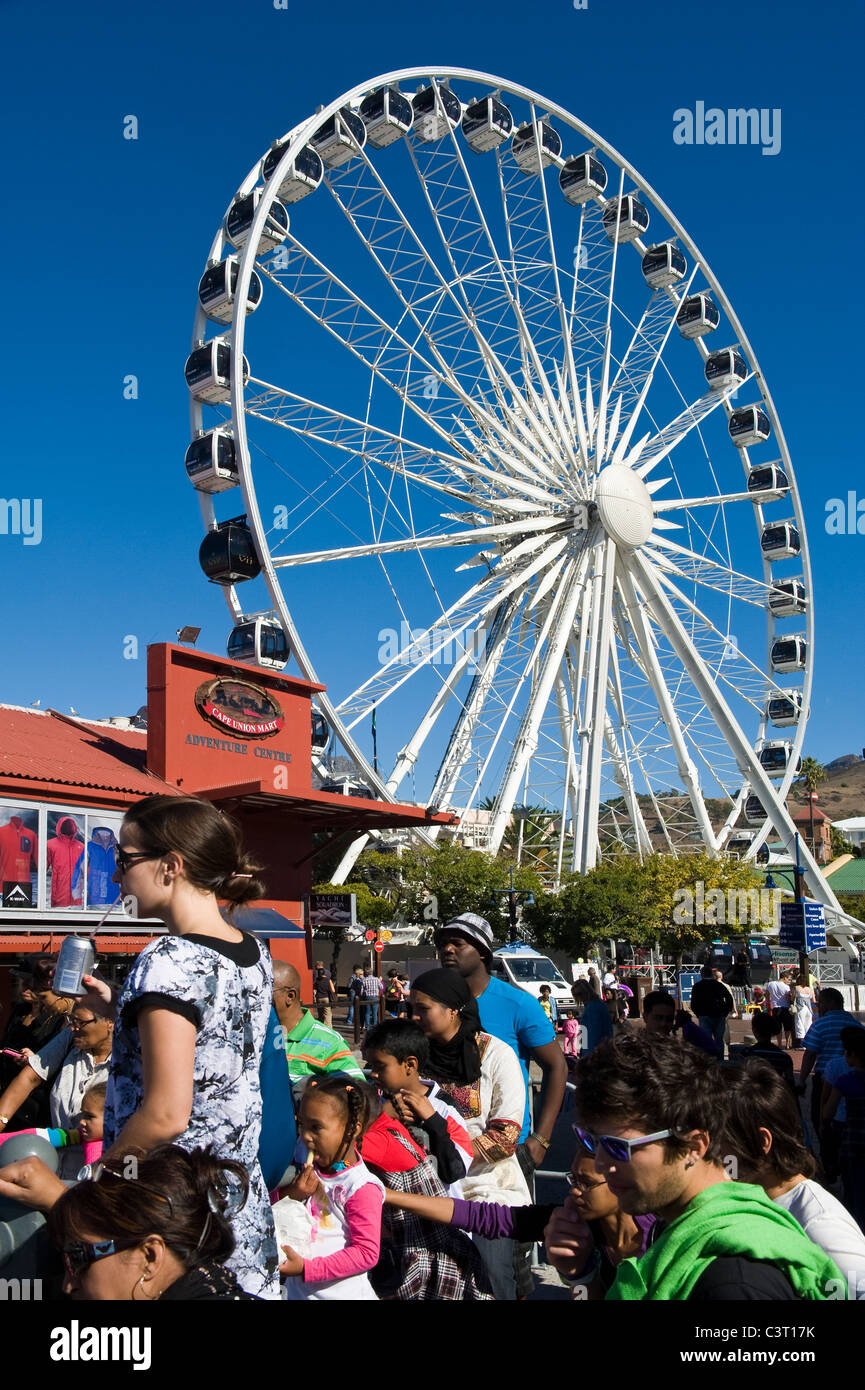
241, 707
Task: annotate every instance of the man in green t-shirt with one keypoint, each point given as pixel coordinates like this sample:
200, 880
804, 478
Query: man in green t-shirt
652, 1112
311, 1047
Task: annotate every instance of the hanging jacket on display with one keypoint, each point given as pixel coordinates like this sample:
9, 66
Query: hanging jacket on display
64, 864
101, 867
18, 847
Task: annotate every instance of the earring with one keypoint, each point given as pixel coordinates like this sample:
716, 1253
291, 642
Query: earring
144, 1297
690, 1163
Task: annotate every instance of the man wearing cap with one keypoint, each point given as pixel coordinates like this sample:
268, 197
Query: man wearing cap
509, 1013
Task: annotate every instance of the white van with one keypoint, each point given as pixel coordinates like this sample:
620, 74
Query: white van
526, 968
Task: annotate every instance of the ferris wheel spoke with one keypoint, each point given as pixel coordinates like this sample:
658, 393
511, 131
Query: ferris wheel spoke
459, 747
316, 289
595, 704
429, 643
389, 356
644, 458
365, 208
746, 669
593, 256
745, 757
678, 504
637, 369
474, 536
488, 632
527, 240
700, 569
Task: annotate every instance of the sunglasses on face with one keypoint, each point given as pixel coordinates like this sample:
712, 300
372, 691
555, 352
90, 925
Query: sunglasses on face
618, 1148
80, 1254
124, 859
75, 1022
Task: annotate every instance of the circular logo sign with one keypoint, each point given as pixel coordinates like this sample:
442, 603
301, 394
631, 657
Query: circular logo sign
369, 935
386, 935
240, 707
379, 946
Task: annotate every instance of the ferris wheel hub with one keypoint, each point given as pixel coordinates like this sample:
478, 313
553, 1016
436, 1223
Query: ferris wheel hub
624, 506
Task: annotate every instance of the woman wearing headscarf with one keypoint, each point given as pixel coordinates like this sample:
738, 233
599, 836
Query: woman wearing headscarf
481, 1077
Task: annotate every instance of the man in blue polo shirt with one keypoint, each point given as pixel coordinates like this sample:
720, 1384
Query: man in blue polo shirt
509, 1013
823, 1045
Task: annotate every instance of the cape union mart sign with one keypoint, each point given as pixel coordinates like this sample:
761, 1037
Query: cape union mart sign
240, 707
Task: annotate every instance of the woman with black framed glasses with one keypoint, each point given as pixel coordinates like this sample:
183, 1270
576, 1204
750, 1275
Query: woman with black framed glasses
70, 1063
158, 1231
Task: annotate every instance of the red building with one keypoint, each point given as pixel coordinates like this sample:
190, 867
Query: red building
236, 735
821, 845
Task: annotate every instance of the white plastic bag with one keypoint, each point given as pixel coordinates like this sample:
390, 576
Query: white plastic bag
294, 1226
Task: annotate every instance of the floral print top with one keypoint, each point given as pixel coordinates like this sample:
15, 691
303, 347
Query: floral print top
224, 989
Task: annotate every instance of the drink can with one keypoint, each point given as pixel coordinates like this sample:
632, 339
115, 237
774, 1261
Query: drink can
75, 960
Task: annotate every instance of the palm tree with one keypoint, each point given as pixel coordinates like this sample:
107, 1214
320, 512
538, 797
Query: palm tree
811, 774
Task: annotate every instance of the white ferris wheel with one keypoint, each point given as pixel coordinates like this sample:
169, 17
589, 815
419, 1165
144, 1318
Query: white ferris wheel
479, 392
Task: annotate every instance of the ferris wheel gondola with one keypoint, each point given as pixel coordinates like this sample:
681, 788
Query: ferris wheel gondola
259, 640
481, 405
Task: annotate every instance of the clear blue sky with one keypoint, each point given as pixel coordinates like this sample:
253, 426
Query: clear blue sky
106, 240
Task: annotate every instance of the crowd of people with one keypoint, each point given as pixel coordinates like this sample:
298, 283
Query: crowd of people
201, 1134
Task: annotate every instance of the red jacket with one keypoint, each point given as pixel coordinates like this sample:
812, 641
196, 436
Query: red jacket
64, 855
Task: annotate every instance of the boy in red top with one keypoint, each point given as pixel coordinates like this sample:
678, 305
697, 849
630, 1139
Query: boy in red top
397, 1053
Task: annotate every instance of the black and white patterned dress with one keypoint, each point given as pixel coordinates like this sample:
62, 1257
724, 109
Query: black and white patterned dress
225, 989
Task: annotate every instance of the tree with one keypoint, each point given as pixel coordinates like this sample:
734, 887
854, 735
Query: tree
676, 901
841, 845
460, 879
696, 896
811, 774
610, 901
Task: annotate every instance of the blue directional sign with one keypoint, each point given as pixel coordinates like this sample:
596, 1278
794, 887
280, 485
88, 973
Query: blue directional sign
803, 926
815, 939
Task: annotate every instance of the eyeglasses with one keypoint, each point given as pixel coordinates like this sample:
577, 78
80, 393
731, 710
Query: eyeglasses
618, 1148
124, 860
584, 1184
81, 1022
80, 1254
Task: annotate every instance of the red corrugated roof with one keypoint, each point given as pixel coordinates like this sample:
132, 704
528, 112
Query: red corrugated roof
49, 747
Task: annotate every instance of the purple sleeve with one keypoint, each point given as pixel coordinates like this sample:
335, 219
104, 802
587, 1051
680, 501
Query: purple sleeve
488, 1219
646, 1225
363, 1212
698, 1037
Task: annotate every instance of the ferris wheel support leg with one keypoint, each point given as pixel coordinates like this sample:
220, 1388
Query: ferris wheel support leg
620, 758
687, 769
350, 858
597, 695
746, 759
581, 684
557, 631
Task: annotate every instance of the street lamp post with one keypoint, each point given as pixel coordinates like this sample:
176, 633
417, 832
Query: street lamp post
513, 896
